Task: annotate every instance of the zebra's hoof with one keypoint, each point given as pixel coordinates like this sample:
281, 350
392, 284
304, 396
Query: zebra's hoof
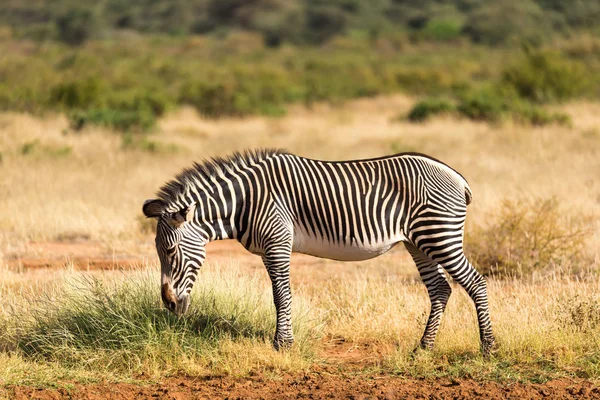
489, 348
282, 344
421, 349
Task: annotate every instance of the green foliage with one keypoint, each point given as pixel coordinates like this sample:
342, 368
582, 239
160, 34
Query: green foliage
497, 22
527, 236
138, 142
303, 21
483, 105
29, 147
215, 99
537, 116
544, 76
441, 30
324, 22
76, 93
117, 119
424, 80
75, 26
132, 110
427, 108
127, 84
34, 147
488, 105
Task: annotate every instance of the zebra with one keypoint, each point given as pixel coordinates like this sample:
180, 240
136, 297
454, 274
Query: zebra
275, 203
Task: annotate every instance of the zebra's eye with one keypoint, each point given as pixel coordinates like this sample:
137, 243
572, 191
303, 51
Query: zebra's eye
171, 251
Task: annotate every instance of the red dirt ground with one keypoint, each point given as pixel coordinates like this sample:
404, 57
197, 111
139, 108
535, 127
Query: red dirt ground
340, 380
318, 386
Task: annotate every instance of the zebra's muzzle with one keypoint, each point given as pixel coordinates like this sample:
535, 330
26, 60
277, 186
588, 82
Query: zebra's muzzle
170, 300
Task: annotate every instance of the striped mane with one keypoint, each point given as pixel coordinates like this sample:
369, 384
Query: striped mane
175, 190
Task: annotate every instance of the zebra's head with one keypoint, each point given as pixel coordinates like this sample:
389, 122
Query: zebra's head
180, 248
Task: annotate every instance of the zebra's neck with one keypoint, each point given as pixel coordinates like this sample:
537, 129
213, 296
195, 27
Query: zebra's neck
219, 203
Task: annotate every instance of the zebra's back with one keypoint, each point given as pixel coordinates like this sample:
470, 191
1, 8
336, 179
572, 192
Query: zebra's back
355, 210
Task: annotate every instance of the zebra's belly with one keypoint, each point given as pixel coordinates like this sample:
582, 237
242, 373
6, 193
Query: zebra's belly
316, 246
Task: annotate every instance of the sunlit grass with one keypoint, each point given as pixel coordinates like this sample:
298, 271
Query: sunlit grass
87, 327
118, 327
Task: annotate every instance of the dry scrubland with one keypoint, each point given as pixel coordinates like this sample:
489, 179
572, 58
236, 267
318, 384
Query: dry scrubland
59, 185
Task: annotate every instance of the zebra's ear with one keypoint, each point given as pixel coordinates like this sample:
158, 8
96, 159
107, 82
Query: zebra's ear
153, 208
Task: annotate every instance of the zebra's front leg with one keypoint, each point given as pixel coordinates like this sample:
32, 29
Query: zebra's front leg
439, 291
278, 267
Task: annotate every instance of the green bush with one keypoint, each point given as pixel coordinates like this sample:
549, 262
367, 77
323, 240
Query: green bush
216, 99
535, 115
77, 93
424, 80
427, 108
121, 120
441, 30
544, 76
76, 26
484, 105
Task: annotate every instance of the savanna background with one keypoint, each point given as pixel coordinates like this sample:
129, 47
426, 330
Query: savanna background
102, 102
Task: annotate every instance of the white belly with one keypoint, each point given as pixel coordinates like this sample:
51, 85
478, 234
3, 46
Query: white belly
319, 247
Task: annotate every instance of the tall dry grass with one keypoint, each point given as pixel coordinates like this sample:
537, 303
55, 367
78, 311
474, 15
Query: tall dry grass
111, 325
95, 188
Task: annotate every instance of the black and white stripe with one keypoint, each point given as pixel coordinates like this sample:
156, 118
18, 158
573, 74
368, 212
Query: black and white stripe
275, 203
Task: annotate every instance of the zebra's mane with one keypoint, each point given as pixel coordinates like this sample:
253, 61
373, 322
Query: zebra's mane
173, 192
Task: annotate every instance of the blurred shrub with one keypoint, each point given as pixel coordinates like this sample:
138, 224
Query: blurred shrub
323, 22
215, 99
544, 76
579, 313
441, 30
487, 105
142, 143
525, 236
77, 93
430, 107
130, 110
422, 80
535, 115
582, 46
501, 21
75, 26
483, 105
29, 147
121, 120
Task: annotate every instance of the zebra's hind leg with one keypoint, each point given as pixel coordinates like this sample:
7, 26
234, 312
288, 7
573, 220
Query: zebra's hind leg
278, 267
461, 270
438, 288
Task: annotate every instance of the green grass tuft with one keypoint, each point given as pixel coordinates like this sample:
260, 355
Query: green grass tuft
120, 327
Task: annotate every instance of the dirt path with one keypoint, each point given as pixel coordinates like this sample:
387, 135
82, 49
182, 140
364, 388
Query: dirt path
318, 386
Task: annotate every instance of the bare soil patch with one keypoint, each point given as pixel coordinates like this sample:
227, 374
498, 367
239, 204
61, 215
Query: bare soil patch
318, 386
89, 255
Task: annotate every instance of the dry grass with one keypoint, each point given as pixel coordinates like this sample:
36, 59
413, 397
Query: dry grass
545, 326
96, 190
